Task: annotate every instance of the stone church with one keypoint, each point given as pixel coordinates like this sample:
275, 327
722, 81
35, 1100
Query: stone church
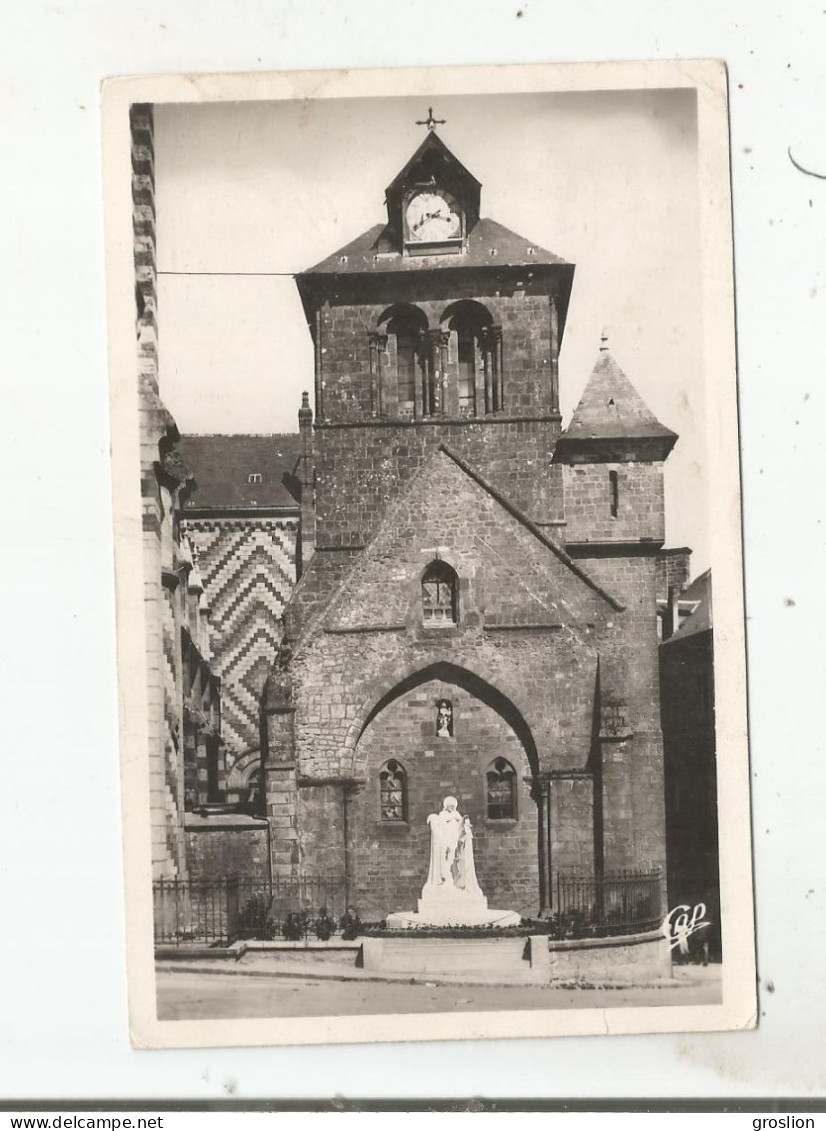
434, 588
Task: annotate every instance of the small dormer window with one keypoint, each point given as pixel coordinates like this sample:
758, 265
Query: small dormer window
254, 477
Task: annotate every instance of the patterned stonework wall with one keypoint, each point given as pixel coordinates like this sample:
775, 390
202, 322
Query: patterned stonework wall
248, 567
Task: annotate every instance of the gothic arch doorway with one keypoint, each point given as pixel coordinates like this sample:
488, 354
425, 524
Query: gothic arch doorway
446, 726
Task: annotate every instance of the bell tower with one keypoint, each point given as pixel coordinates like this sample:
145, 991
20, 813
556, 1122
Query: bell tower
437, 325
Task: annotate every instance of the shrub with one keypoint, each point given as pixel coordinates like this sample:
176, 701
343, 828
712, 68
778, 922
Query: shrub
254, 920
350, 925
324, 925
296, 925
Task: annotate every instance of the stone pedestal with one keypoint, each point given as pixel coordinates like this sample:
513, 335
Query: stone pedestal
448, 906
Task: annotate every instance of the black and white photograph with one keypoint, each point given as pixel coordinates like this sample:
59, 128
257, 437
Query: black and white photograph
427, 514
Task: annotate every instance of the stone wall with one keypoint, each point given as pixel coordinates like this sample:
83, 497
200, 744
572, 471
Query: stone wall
687, 673
572, 826
639, 497
166, 778
522, 310
515, 455
531, 632
632, 759
545, 643
513, 446
183, 705
673, 570
391, 858
216, 852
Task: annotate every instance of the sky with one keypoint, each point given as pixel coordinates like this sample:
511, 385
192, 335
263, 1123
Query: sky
249, 194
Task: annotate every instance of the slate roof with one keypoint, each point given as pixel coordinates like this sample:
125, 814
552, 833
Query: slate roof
489, 244
431, 142
702, 619
611, 408
222, 466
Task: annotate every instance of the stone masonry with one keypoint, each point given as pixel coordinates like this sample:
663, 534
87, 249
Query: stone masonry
183, 694
549, 539
437, 442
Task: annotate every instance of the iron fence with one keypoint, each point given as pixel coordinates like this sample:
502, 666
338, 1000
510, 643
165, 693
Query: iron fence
292, 906
219, 912
614, 903
192, 912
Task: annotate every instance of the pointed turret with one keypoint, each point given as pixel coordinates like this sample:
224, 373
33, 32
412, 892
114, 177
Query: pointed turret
612, 454
612, 421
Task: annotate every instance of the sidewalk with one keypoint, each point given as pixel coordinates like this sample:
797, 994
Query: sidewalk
309, 965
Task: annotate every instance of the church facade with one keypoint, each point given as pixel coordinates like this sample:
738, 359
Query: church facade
476, 611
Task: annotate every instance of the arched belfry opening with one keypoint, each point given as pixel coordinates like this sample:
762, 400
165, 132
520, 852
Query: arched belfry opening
475, 342
447, 751
410, 360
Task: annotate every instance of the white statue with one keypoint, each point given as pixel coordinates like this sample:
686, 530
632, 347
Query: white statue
444, 719
451, 896
451, 852
445, 833
465, 868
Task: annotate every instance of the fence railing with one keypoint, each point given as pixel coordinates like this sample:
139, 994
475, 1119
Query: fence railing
192, 912
219, 912
614, 903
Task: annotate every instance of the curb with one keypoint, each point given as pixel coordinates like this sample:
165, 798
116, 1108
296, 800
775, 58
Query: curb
419, 979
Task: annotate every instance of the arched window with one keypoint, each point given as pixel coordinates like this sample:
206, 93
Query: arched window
407, 325
478, 352
501, 791
440, 594
392, 792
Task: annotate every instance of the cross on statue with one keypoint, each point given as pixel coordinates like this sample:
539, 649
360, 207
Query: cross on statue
430, 121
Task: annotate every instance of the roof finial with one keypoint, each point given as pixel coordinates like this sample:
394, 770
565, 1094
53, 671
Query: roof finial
604, 340
430, 121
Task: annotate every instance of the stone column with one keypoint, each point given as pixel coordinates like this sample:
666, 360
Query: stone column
319, 382
202, 761
378, 344
439, 340
488, 375
190, 760
282, 791
420, 374
554, 355
350, 794
543, 790
481, 370
498, 369
307, 479
279, 766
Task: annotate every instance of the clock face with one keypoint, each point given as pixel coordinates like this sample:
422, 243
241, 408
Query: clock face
433, 216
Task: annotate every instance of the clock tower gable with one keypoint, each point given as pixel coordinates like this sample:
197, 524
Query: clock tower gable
433, 199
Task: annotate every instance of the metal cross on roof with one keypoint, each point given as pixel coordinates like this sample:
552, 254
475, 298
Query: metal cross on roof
430, 121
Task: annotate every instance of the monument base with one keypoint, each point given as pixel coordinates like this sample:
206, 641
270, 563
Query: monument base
452, 907
407, 920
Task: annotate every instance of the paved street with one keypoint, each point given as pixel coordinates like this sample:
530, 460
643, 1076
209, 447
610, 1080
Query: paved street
184, 995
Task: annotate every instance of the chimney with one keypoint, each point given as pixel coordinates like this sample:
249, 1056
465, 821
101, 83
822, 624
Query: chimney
307, 479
